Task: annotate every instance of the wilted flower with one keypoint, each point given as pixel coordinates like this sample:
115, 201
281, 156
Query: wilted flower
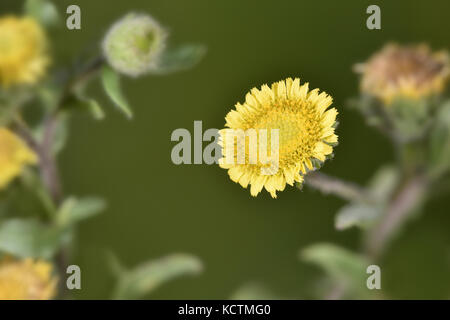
23, 56
133, 44
306, 133
404, 71
14, 155
26, 280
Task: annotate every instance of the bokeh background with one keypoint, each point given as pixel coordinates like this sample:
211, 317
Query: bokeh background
156, 208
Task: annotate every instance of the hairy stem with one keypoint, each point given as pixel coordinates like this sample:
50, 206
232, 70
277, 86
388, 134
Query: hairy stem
47, 163
331, 185
49, 168
409, 197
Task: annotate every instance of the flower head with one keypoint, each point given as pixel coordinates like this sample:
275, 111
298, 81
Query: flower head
305, 135
404, 71
14, 155
23, 44
133, 44
26, 280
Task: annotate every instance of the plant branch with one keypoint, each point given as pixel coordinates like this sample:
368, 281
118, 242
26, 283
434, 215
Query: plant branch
47, 164
49, 168
331, 185
404, 203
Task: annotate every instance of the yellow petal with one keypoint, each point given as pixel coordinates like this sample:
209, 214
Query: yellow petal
331, 139
303, 91
235, 173
329, 117
257, 185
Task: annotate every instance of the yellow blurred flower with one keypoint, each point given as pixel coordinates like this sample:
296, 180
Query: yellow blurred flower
27, 279
404, 71
23, 58
14, 155
305, 134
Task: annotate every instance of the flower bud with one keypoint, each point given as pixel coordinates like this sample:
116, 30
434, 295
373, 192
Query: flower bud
411, 72
134, 44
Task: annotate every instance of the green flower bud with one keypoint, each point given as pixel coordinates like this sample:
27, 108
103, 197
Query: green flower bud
134, 44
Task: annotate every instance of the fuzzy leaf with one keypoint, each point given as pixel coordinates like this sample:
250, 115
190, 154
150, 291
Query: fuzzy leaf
61, 134
111, 84
356, 214
341, 265
88, 103
74, 210
253, 291
180, 58
383, 183
29, 238
94, 108
42, 11
144, 279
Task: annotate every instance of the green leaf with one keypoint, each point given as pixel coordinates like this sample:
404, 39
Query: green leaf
356, 214
29, 238
364, 214
88, 103
111, 84
384, 183
34, 186
114, 264
43, 11
180, 58
439, 157
74, 210
144, 279
94, 108
341, 265
61, 134
253, 291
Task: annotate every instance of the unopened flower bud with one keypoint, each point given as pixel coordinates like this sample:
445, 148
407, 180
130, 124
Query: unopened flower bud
134, 44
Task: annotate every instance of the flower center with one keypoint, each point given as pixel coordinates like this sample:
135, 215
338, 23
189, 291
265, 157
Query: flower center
299, 129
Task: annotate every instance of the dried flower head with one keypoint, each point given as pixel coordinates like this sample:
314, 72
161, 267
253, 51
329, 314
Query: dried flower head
134, 44
404, 71
305, 133
23, 57
26, 280
14, 155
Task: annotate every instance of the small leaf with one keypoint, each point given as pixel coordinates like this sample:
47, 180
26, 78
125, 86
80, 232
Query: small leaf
29, 238
356, 214
89, 104
111, 84
43, 11
61, 134
253, 291
383, 183
147, 277
114, 264
180, 58
95, 109
341, 265
74, 210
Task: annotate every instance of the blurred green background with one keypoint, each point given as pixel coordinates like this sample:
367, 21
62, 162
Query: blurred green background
156, 208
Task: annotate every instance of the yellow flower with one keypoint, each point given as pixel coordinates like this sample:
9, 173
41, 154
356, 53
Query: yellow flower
404, 71
305, 135
23, 56
27, 279
14, 155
